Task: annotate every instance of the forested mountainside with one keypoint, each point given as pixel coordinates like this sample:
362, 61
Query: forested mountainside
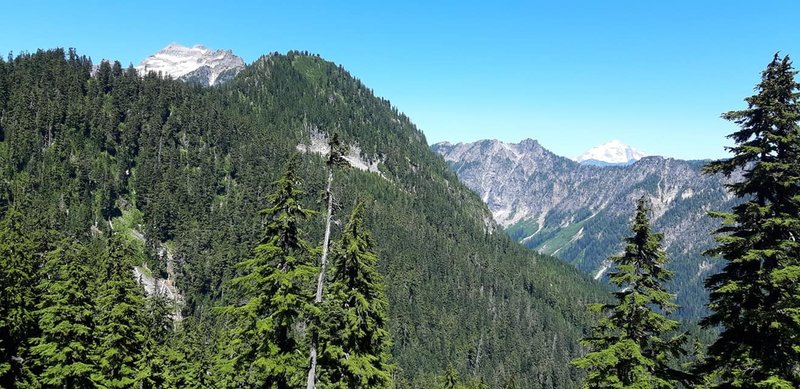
580, 213
181, 172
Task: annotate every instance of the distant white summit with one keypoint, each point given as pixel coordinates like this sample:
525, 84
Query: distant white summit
194, 64
611, 153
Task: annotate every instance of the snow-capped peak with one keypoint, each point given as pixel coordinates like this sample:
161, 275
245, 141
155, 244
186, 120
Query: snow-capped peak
611, 153
197, 63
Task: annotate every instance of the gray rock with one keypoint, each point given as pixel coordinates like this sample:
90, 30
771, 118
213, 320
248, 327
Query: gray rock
581, 213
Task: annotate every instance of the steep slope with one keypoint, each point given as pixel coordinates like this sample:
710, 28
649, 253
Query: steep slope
580, 213
79, 152
197, 64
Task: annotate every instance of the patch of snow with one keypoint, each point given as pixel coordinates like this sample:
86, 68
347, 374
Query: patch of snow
178, 61
704, 267
540, 222
688, 193
571, 240
614, 152
604, 266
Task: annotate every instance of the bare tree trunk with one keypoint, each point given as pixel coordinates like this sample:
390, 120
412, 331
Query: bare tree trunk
326, 241
312, 371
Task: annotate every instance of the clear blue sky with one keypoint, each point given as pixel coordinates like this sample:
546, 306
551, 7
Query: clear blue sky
572, 74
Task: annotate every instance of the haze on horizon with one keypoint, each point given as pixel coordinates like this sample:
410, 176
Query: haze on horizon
572, 76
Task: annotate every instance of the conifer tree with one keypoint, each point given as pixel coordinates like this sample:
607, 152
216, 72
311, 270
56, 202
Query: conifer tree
336, 153
63, 351
356, 342
277, 287
756, 297
451, 380
17, 322
191, 362
629, 348
119, 320
158, 351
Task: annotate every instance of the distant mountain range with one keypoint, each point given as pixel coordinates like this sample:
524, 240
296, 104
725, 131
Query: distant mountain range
610, 154
197, 64
581, 212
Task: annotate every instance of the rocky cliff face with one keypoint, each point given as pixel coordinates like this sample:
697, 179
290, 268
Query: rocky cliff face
197, 64
581, 213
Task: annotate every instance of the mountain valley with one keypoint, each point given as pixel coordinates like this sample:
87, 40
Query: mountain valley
580, 213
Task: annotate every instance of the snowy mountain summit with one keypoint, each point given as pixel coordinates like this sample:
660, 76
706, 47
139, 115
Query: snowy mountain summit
610, 154
194, 64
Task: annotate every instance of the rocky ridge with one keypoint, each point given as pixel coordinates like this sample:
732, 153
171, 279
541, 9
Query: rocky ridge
197, 64
581, 213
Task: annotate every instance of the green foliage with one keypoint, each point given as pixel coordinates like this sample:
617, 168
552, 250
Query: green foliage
119, 321
63, 351
356, 345
276, 288
756, 297
17, 272
174, 165
629, 347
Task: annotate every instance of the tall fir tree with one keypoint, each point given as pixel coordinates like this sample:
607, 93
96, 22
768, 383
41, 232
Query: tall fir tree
159, 353
756, 297
18, 264
277, 285
355, 347
336, 152
629, 347
63, 351
119, 320
192, 359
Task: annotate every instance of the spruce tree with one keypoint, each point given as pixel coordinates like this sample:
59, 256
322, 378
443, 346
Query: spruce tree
18, 262
629, 347
119, 320
63, 351
192, 358
356, 342
756, 297
277, 288
158, 351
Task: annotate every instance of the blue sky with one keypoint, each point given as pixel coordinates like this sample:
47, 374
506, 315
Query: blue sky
572, 74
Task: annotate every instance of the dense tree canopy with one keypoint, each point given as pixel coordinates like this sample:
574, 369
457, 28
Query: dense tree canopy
180, 172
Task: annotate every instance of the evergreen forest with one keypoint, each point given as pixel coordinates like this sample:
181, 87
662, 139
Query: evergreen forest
160, 234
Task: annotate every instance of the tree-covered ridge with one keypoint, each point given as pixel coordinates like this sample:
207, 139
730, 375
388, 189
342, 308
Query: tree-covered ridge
185, 169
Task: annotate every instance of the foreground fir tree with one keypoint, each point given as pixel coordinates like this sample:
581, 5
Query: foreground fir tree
756, 297
629, 347
63, 351
336, 154
356, 342
18, 262
120, 321
277, 284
